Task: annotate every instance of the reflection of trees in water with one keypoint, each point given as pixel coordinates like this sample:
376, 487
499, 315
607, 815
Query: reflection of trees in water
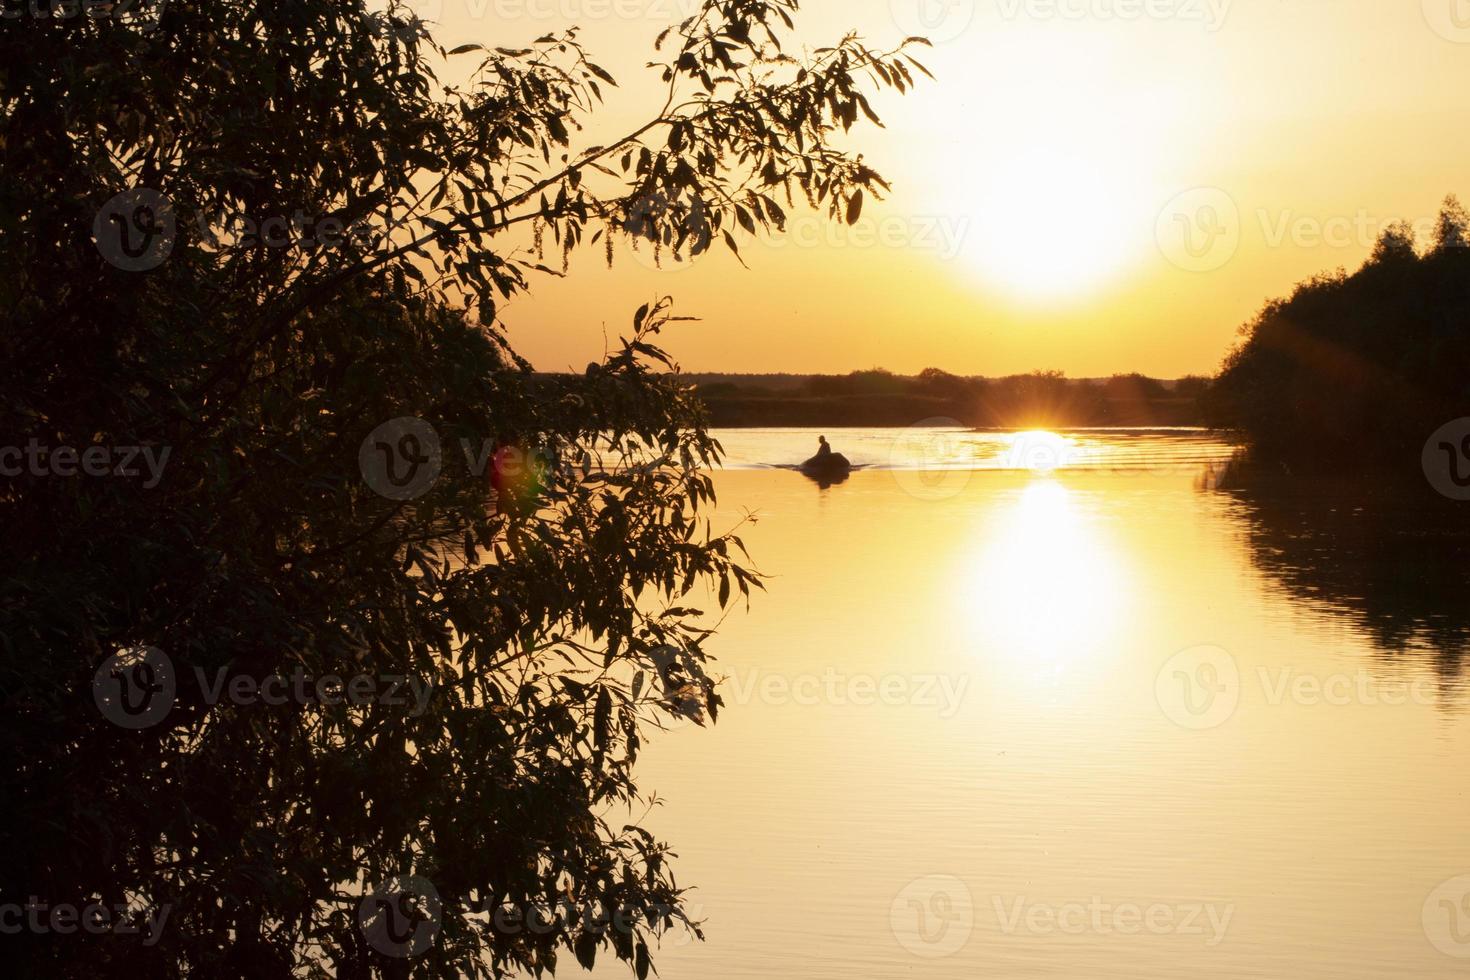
1397, 562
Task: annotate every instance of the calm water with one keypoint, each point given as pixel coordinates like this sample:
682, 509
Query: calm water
1091, 721
943, 449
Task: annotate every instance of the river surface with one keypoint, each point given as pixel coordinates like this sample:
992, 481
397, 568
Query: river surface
1055, 706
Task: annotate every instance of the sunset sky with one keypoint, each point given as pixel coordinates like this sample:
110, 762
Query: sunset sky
1045, 184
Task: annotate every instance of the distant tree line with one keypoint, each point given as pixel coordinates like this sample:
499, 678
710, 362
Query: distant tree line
878, 397
1349, 369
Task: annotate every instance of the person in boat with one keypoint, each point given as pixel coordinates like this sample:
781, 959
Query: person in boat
826, 467
826, 459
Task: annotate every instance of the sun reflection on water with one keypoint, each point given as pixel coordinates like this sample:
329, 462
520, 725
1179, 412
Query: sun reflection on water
1047, 589
1039, 451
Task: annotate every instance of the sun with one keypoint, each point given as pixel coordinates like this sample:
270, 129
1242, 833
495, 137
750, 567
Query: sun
1046, 222
1053, 173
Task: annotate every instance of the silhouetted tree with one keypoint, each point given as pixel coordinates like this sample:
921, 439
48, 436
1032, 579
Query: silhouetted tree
1453, 228
1396, 243
1358, 370
543, 584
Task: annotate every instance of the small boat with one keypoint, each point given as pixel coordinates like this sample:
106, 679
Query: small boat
827, 466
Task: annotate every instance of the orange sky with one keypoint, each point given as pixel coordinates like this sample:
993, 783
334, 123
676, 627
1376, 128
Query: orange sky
1093, 186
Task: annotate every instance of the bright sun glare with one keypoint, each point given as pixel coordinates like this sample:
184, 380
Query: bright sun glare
1047, 584
1058, 156
1039, 451
1046, 223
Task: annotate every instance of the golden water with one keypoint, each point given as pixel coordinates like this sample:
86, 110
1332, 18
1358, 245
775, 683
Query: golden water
1077, 724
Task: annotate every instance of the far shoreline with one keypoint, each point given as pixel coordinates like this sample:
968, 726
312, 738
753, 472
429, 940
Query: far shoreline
879, 398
